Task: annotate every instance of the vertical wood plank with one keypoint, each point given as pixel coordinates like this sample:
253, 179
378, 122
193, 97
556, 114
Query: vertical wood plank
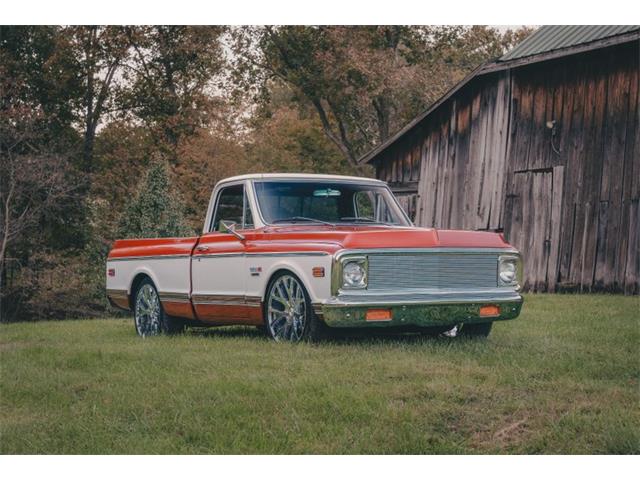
557, 196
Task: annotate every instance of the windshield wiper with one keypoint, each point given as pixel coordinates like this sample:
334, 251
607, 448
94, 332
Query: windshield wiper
302, 219
362, 219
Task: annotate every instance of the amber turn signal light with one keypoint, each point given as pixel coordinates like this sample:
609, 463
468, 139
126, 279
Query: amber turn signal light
378, 315
489, 311
318, 272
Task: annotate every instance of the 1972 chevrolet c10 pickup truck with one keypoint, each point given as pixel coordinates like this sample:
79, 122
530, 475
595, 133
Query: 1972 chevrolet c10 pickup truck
305, 255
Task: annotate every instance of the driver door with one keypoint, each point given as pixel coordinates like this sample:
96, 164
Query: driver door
218, 262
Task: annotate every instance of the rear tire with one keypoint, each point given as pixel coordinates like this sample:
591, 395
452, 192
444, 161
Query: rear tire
149, 317
476, 330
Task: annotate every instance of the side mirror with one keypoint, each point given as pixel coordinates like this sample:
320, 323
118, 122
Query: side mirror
231, 228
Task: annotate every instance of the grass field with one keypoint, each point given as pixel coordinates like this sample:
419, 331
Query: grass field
563, 378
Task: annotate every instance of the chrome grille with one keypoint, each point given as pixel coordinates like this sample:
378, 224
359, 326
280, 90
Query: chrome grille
432, 270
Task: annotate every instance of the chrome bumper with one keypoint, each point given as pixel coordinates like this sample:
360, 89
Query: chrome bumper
420, 308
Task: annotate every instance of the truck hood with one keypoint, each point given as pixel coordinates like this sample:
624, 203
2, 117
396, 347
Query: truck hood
378, 237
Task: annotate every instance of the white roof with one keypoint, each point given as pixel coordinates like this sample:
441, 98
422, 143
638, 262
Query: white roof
301, 176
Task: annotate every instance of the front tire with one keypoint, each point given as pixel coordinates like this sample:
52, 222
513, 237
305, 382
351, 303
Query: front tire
288, 311
149, 317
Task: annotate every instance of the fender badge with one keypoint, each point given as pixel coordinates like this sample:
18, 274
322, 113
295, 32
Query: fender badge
255, 271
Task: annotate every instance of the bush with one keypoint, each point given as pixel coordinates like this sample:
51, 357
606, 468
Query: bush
155, 211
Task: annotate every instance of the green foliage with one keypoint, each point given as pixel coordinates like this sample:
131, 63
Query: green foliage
168, 90
155, 211
562, 379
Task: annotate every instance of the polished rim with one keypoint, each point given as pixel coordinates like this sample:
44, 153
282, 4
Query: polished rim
147, 313
287, 309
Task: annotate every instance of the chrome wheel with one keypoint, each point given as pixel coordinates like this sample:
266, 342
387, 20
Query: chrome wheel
286, 309
147, 311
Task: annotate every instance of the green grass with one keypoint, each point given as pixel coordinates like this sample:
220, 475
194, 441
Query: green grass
563, 378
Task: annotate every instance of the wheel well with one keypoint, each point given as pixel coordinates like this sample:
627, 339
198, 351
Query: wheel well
137, 280
277, 272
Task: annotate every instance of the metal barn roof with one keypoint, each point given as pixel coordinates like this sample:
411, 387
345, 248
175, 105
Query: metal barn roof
555, 37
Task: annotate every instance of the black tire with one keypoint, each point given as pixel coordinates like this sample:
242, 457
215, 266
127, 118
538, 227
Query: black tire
313, 328
155, 321
476, 330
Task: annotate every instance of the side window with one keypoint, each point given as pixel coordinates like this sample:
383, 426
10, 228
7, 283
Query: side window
229, 208
365, 206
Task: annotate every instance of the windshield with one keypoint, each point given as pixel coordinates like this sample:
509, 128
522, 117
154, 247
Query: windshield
331, 202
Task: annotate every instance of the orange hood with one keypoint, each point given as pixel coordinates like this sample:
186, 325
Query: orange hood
379, 237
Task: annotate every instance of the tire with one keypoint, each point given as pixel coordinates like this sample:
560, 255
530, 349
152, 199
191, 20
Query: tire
476, 330
288, 312
149, 317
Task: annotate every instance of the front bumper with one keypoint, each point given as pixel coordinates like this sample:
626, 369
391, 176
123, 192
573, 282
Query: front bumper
421, 309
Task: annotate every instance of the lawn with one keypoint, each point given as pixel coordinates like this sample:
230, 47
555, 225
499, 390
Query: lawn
563, 378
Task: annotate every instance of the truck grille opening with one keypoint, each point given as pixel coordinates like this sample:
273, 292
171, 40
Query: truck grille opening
432, 270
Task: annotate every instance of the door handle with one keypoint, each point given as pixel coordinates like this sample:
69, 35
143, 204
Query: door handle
202, 248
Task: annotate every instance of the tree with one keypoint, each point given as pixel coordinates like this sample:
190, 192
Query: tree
364, 82
70, 73
172, 77
32, 182
203, 159
99, 54
288, 140
155, 211
41, 75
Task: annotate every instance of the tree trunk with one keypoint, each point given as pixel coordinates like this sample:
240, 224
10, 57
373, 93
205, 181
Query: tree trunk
89, 131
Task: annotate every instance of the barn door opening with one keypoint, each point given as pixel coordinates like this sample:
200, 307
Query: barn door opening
532, 224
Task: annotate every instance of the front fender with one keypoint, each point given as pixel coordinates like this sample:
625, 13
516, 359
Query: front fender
318, 288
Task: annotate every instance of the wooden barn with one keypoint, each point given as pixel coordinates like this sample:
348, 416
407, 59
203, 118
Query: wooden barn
542, 144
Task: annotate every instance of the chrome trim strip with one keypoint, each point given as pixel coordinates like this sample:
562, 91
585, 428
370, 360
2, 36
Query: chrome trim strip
122, 294
431, 297
149, 257
237, 300
265, 254
434, 250
288, 254
216, 255
175, 297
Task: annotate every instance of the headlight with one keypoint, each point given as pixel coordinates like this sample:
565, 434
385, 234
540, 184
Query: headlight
508, 270
354, 273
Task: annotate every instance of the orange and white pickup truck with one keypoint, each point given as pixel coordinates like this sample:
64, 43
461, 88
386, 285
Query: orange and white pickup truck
303, 256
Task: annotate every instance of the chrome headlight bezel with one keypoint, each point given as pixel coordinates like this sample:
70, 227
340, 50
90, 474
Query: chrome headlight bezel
340, 283
509, 270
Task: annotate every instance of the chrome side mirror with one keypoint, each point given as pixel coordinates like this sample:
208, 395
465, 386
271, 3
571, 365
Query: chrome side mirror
231, 228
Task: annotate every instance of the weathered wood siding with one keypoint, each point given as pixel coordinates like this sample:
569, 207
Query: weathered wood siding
567, 196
